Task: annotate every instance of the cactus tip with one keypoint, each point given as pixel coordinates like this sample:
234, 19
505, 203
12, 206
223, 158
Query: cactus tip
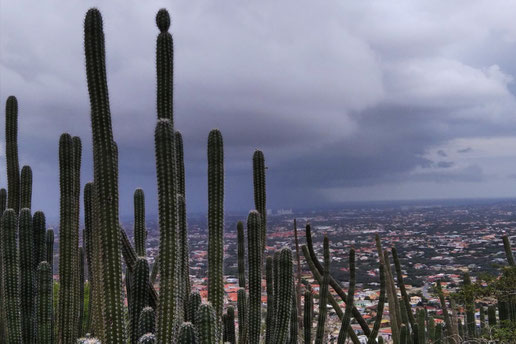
163, 20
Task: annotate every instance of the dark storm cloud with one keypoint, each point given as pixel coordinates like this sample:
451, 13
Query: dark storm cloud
338, 96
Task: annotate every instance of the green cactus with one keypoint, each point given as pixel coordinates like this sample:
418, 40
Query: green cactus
241, 254
194, 301
271, 304
39, 230
206, 323
379, 311
26, 187
470, 309
255, 275
392, 297
403, 334
148, 338
188, 334
216, 221
421, 327
430, 329
27, 277
184, 252
323, 294
298, 277
3, 330
165, 67
446, 315
139, 296
44, 308
259, 192
105, 180
11, 271
68, 250
140, 232
11, 154
225, 331
49, 244
438, 337
482, 315
3, 200
415, 334
88, 250
242, 316
284, 296
294, 324
403, 290
308, 311
230, 325
508, 250
491, 315
349, 301
146, 321
80, 320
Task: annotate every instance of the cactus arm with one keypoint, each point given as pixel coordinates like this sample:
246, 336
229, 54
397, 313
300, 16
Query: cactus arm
349, 301
206, 324
379, 311
401, 285
140, 232
323, 296
255, 275
308, 317
44, 308
241, 254
11, 154
26, 187
284, 296
508, 250
270, 319
139, 295
27, 276
259, 192
242, 316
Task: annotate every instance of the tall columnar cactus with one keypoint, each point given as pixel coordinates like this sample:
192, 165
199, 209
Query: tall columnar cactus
403, 290
241, 254
167, 312
146, 321
80, 319
11, 154
11, 271
508, 250
491, 315
139, 295
403, 334
323, 295
140, 232
259, 191
105, 180
284, 296
3, 329
44, 307
216, 221
230, 325
298, 277
450, 332
188, 334
421, 327
308, 316
255, 275
430, 329
26, 187
270, 320
184, 251
68, 249
470, 308
165, 67
294, 324
3, 200
39, 229
88, 248
379, 310
390, 281
206, 323
438, 336
194, 301
242, 316
49, 244
349, 301
27, 277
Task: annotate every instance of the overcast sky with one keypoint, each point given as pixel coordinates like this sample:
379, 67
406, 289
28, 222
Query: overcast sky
349, 100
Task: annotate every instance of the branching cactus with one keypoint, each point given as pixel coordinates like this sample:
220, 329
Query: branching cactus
26, 187
139, 295
11, 271
259, 192
241, 254
27, 277
11, 154
206, 323
146, 321
242, 316
140, 232
105, 180
216, 221
323, 295
44, 307
255, 275
284, 296
187, 334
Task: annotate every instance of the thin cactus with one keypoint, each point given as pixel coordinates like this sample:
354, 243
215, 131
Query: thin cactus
421, 327
139, 296
11, 271
470, 309
430, 329
194, 301
140, 232
308, 311
49, 244
3, 329
27, 277
482, 315
184, 252
447, 320
26, 187
206, 324
165, 67
349, 301
508, 250
438, 336
298, 276
88, 246
294, 323
284, 296
379, 311
188, 334
255, 275
80, 320
225, 332
270, 319
216, 221
105, 180
491, 315
39, 229
242, 316
323, 295
259, 192
146, 321
230, 325
3, 200
44, 307
241, 254
392, 297
415, 333
11, 154
403, 290
404, 334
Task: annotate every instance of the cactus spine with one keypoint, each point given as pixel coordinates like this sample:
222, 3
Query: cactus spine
45, 311
349, 301
242, 316
323, 295
105, 180
146, 321
255, 275
11, 154
11, 260
284, 296
139, 295
206, 324
140, 232
26, 187
187, 334
27, 277
216, 221
241, 254
259, 192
